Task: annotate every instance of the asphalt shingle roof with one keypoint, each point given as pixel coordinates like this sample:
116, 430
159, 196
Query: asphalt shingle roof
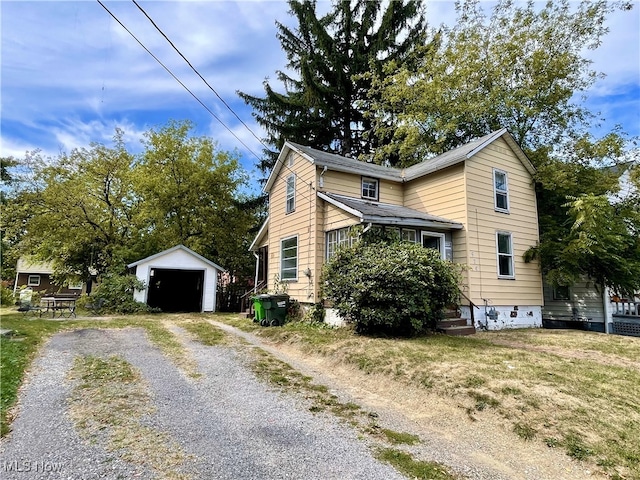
393, 214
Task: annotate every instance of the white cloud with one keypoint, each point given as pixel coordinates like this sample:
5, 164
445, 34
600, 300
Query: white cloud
70, 73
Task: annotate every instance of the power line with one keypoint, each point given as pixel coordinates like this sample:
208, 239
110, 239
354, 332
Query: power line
198, 73
207, 83
284, 163
178, 80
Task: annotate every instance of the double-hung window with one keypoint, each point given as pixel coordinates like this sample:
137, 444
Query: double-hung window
291, 193
338, 238
409, 235
504, 243
370, 188
289, 258
33, 281
501, 191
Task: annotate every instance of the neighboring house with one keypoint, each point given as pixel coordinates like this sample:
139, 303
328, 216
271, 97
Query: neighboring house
38, 276
178, 280
475, 204
581, 302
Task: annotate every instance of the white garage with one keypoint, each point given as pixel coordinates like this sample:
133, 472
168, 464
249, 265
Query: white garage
178, 280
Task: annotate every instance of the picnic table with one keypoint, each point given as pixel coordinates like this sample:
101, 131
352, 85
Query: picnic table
58, 306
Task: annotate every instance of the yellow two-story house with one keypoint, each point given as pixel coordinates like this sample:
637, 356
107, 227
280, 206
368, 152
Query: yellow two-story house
475, 204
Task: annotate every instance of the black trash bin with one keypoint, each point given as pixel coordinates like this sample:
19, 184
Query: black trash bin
276, 309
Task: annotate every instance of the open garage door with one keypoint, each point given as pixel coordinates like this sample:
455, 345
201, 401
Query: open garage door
174, 290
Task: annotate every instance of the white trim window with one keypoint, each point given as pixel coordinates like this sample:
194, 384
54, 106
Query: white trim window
434, 240
504, 247
291, 193
289, 258
500, 191
33, 281
337, 239
75, 286
369, 188
409, 235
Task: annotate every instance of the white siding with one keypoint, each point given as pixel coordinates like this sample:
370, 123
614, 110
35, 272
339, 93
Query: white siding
180, 260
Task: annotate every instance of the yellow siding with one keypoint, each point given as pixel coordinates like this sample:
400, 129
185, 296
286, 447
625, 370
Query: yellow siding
442, 193
329, 218
349, 184
300, 222
336, 218
484, 222
463, 193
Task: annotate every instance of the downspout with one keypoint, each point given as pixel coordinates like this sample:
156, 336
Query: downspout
367, 228
255, 280
606, 310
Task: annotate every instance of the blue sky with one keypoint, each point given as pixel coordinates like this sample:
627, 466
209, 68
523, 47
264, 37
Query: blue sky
71, 74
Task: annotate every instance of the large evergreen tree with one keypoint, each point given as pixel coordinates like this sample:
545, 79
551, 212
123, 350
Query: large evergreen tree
323, 105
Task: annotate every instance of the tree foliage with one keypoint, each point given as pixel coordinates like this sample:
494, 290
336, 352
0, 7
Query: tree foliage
323, 105
77, 210
99, 208
396, 288
521, 68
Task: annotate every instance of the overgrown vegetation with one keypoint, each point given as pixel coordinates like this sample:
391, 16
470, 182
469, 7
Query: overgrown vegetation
117, 292
570, 390
399, 288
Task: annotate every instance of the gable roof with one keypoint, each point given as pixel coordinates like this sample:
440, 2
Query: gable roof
332, 161
27, 265
350, 165
465, 152
261, 233
173, 249
388, 214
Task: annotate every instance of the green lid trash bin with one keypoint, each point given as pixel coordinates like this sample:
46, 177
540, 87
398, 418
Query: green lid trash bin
258, 309
259, 302
276, 311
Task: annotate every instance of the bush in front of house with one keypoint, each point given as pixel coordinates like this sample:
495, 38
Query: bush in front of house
117, 292
399, 288
7, 297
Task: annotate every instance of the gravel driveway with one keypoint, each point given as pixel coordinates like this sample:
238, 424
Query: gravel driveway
231, 425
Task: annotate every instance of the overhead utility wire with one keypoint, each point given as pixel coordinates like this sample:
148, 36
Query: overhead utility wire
208, 85
197, 72
284, 164
178, 80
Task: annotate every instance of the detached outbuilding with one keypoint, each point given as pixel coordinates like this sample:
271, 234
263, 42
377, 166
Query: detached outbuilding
178, 280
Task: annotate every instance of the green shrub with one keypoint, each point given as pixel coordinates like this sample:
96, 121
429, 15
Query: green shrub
399, 288
117, 292
315, 313
6, 295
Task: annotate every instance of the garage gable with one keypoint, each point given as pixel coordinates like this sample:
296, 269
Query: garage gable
178, 280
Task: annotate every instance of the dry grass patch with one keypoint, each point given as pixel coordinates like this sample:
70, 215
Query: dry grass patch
575, 391
201, 330
289, 380
107, 405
